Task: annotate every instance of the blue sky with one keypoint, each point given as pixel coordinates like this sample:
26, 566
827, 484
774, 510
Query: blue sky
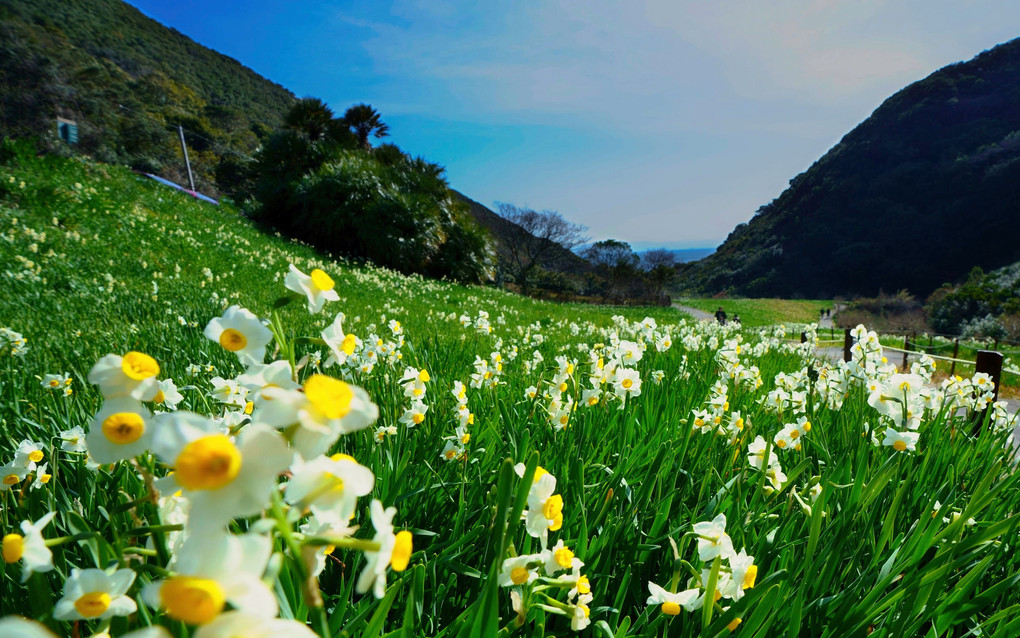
661, 123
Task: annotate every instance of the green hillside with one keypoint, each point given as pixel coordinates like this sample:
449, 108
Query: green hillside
918, 194
128, 81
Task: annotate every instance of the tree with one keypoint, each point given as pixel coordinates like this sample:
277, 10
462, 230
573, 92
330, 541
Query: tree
311, 116
536, 237
660, 268
615, 261
364, 121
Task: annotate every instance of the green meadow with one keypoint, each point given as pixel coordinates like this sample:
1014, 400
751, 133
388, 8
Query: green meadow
850, 533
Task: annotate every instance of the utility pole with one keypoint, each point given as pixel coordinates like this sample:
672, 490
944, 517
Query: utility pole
187, 162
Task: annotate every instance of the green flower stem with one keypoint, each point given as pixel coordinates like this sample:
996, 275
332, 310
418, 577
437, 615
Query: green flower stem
314, 602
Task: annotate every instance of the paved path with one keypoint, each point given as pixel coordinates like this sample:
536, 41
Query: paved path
699, 315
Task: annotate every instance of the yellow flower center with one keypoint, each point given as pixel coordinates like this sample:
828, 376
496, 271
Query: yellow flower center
54, 383
208, 463
423, 376
519, 575
626, 384
348, 344
564, 557
899, 446
781, 443
321, 280
539, 473
159, 398
402, 549
807, 426
670, 608
233, 340
749, 576
794, 434
45, 478
464, 439
557, 523
124, 427
450, 454
139, 366
330, 396
13, 547
35, 456
585, 609
583, 585
553, 507
93, 604
564, 419
12, 479
734, 624
563, 387
249, 407
194, 601
593, 400
342, 457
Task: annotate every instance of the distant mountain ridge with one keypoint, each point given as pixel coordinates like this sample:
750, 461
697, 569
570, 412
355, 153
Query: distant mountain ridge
918, 194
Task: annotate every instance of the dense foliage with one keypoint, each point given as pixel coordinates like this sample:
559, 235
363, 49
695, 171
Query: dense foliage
917, 194
314, 180
128, 81
985, 305
697, 480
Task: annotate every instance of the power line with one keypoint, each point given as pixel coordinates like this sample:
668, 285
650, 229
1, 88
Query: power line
219, 146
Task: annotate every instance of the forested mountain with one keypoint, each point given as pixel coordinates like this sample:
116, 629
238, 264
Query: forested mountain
127, 82
918, 194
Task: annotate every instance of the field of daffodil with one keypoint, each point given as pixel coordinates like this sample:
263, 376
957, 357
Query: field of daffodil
212, 432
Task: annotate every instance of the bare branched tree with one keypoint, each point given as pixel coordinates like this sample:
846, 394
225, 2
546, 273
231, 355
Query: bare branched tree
536, 237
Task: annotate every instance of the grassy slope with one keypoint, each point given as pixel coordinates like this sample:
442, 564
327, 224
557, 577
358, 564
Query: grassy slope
631, 480
137, 233
761, 312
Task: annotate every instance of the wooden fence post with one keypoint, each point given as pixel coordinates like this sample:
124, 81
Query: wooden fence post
848, 343
906, 349
989, 362
956, 351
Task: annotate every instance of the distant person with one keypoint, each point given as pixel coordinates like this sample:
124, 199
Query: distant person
736, 319
720, 316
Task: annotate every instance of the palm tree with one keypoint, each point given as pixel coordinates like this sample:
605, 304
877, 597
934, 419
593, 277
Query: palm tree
364, 121
310, 116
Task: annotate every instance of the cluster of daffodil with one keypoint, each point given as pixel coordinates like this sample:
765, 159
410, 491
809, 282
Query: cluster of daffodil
536, 579
725, 574
25, 466
456, 445
12, 343
213, 471
61, 382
